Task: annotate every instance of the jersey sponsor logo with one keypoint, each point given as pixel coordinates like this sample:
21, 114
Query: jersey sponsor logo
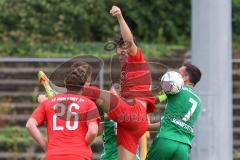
182, 124
133, 117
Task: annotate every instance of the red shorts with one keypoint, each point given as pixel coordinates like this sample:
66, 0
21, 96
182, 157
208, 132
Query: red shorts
132, 123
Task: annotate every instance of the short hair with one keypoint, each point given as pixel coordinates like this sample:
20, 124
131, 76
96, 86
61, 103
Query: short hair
78, 75
119, 41
193, 72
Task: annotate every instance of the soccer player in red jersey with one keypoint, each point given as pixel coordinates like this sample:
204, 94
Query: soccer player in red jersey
135, 85
129, 109
71, 119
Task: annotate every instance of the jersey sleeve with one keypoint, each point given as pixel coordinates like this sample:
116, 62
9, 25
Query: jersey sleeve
92, 113
137, 58
39, 114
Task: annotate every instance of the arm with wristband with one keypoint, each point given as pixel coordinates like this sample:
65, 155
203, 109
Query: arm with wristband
160, 98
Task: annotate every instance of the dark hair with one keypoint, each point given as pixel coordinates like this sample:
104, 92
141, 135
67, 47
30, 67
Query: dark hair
120, 42
193, 72
78, 75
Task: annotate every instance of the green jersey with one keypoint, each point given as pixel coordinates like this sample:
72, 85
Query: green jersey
110, 151
109, 141
180, 115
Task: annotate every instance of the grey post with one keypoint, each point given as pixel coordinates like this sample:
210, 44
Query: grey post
211, 51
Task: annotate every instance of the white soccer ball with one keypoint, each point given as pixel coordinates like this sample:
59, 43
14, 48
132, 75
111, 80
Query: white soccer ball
172, 82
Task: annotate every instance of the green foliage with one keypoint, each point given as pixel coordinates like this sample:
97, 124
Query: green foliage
89, 20
17, 139
160, 50
236, 23
53, 27
14, 133
12, 137
71, 49
159, 21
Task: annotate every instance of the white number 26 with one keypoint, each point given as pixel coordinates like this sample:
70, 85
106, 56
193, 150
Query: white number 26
68, 118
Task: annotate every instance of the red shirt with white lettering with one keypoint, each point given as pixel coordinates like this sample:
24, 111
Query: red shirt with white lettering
67, 116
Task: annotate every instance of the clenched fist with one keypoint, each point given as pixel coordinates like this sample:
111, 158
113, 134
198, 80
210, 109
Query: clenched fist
115, 11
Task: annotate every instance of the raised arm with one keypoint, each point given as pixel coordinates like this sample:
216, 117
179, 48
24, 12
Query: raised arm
125, 30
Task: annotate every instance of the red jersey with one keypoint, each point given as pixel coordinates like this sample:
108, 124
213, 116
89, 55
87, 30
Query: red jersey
67, 116
136, 80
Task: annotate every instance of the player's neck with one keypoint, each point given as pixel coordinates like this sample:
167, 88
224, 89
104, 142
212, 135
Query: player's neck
190, 85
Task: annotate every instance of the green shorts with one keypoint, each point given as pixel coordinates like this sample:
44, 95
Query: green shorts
166, 149
114, 156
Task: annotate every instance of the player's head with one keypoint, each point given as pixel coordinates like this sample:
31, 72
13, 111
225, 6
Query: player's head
190, 73
78, 76
122, 52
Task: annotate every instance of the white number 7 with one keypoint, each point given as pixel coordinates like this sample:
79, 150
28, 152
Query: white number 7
192, 109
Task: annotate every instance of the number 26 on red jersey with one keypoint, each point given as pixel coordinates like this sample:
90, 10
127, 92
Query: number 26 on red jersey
62, 108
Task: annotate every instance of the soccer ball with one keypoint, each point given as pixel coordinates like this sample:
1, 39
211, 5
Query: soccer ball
172, 82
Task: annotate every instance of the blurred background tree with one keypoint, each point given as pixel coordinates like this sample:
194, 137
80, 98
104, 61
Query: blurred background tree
89, 20
27, 25
236, 23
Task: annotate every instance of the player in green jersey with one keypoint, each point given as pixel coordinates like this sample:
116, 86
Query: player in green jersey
174, 139
109, 141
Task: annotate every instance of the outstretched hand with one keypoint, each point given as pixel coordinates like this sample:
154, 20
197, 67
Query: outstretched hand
116, 11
